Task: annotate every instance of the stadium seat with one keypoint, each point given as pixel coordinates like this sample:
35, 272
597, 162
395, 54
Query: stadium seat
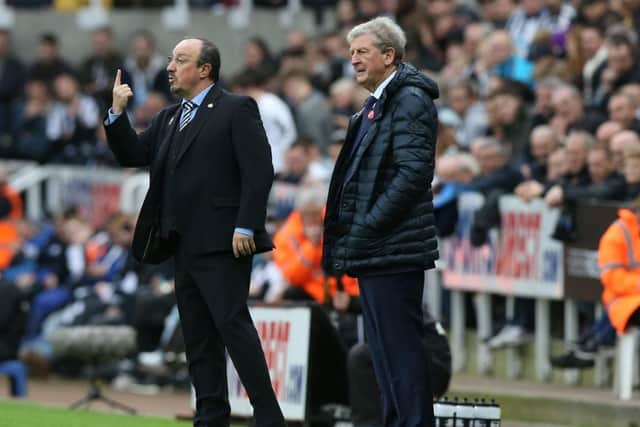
17, 373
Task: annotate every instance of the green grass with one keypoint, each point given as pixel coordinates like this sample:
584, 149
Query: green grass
19, 414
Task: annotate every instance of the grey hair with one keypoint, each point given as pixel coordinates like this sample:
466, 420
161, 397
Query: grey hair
311, 195
468, 163
589, 140
489, 142
386, 33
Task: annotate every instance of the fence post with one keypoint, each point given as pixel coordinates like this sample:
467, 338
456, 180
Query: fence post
484, 359
571, 376
433, 294
458, 321
514, 359
543, 368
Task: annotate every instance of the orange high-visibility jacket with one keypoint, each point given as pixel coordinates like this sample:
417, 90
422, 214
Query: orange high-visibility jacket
300, 261
15, 200
619, 261
9, 243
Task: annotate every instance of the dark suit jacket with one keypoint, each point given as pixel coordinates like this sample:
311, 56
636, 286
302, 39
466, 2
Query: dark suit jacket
221, 180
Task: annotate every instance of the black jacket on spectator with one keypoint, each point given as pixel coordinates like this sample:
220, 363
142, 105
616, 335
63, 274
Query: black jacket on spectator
581, 179
505, 178
613, 188
632, 191
380, 217
12, 76
12, 321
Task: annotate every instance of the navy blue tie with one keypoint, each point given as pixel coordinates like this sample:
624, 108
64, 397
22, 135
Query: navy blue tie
368, 115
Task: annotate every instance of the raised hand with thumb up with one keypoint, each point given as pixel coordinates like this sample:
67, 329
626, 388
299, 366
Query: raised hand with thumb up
121, 94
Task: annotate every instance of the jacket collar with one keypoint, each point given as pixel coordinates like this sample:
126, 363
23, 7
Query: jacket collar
201, 117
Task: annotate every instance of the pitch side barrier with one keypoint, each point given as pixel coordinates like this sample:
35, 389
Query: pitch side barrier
521, 259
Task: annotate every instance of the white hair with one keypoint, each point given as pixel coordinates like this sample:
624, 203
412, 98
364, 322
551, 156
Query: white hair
386, 33
311, 195
468, 163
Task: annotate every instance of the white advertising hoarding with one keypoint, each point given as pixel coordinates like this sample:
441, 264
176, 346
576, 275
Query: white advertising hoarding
284, 333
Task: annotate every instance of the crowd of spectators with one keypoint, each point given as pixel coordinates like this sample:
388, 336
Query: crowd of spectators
539, 98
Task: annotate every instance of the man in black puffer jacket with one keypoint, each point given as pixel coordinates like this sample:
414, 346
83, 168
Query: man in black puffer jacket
379, 224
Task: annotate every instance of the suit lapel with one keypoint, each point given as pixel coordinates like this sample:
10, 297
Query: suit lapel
161, 155
202, 115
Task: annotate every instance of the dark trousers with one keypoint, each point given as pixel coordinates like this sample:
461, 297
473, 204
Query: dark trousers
212, 290
392, 312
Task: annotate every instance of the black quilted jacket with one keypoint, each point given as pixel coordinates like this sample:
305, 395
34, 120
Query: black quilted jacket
380, 218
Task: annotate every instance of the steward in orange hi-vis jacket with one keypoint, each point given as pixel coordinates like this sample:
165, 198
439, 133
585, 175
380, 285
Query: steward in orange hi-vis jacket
299, 259
619, 261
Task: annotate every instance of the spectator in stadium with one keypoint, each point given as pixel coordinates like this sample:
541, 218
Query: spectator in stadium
16, 211
508, 120
605, 182
557, 166
570, 113
71, 122
617, 145
311, 111
144, 69
497, 12
257, 56
335, 55
575, 168
606, 131
542, 142
623, 111
144, 114
96, 70
342, 94
632, 90
463, 100
276, 115
631, 169
594, 56
454, 174
495, 173
296, 162
525, 22
10, 238
30, 122
497, 177
575, 171
299, 254
12, 80
577, 148
545, 57
621, 67
50, 281
542, 110
619, 272
48, 64
498, 57
12, 321
597, 12
12, 314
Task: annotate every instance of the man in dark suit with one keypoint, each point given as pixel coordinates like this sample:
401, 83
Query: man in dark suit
379, 223
211, 173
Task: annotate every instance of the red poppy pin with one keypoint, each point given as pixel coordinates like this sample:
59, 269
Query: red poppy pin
371, 115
